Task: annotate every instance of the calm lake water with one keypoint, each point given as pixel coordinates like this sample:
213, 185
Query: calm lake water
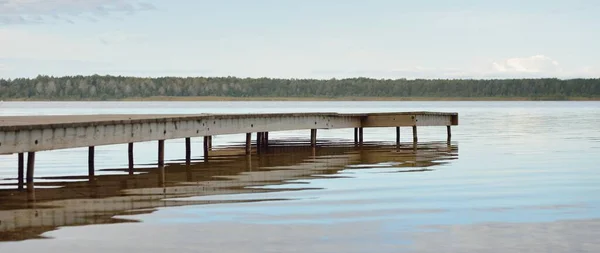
517, 177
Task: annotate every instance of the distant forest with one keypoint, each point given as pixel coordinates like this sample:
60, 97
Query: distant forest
118, 87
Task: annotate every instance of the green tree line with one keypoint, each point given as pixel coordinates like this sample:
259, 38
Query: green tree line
118, 87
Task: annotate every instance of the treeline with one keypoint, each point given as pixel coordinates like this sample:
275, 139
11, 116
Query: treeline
118, 87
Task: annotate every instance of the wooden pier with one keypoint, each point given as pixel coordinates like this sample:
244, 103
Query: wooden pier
31, 134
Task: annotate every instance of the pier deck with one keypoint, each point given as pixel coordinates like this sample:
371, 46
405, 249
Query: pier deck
31, 134
20, 134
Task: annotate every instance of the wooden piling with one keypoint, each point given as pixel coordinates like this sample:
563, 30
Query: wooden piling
360, 136
266, 141
449, 131
188, 151
415, 137
161, 153
206, 147
21, 172
248, 143
161, 163
355, 136
397, 137
258, 142
130, 157
210, 142
313, 137
91, 169
30, 168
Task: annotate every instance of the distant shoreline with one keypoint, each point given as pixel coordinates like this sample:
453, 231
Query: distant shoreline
217, 98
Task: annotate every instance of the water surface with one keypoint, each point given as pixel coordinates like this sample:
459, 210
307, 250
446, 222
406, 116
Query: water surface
518, 176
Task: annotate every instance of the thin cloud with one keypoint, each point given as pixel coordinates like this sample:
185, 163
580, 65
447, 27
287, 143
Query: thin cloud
531, 64
43, 11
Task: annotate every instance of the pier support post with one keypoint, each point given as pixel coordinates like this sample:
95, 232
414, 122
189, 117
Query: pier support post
91, 169
161, 162
21, 171
210, 142
313, 138
449, 131
355, 136
161, 153
258, 142
397, 137
30, 168
360, 136
206, 148
188, 151
415, 137
266, 140
130, 157
248, 143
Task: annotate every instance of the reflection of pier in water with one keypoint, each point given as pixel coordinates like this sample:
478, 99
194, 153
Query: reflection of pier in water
66, 202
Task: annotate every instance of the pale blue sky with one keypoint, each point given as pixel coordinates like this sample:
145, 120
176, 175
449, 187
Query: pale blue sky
307, 38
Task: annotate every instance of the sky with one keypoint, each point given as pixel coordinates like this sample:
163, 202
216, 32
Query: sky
301, 38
